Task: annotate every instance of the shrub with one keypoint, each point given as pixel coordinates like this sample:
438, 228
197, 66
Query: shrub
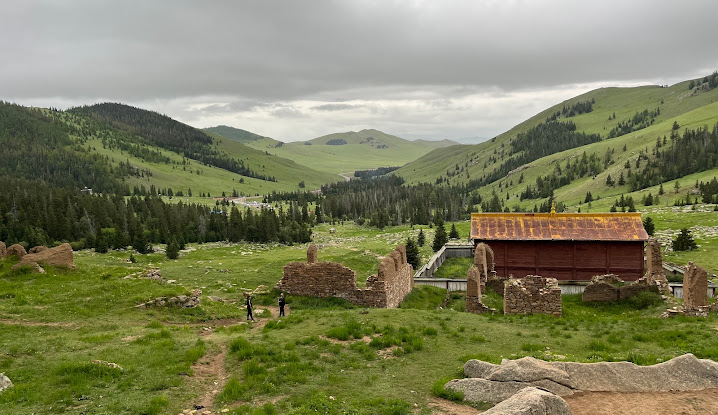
532, 347
644, 300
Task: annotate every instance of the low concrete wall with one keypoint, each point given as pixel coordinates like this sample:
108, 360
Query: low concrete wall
446, 251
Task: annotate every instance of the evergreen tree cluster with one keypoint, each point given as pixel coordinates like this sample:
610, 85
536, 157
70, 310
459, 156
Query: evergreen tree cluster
574, 109
367, 174
36, 213
624, 203
694, 151
709, 191
639, 121
684, 241
707, 83
584, 166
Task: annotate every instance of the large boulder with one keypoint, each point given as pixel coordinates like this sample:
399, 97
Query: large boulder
17, 251
529, 369
531, 401
60, 256
479, 369
479, 390
5, 382
37, 249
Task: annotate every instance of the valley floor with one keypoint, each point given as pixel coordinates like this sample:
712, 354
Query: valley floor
324, 357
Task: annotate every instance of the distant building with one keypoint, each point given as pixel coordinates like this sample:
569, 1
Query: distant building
565, 246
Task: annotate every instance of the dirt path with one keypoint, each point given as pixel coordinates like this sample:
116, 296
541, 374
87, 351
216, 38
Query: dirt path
659, 403
33, 323
210, 373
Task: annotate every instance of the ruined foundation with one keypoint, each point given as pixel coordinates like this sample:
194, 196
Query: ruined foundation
393, 281
531, 295
695, 287
476, 278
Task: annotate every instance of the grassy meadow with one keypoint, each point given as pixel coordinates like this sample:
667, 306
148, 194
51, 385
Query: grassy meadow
326, 356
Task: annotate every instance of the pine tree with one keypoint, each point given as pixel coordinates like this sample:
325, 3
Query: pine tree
684, 241
421, 239
412, 253
172, 249
100, 242
440, 237
649, 225
453, 234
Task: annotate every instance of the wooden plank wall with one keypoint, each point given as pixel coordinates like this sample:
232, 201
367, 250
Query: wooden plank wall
568, 261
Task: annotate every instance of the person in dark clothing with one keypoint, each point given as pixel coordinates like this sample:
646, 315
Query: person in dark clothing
249, 308
281, 305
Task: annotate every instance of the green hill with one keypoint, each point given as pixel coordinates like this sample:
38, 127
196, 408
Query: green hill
344, 152
630, 117
245, 137
121, 149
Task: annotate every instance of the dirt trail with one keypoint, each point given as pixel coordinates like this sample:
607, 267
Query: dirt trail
658, 403
33, 323
210, 374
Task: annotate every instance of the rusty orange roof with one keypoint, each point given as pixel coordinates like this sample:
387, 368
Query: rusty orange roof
558, 226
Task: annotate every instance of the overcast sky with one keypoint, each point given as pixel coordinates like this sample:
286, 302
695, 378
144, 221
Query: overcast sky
295, 70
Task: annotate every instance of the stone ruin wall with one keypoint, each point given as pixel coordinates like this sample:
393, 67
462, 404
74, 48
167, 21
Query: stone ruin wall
393, 281
611, 288
695, 287
531, 295
654, 267
477, 277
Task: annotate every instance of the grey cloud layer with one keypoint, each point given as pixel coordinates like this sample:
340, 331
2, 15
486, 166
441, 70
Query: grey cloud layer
265, 56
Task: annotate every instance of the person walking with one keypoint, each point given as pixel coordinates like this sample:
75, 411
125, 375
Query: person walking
281, 305
249, 307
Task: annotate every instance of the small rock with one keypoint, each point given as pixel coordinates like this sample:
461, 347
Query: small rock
5, 382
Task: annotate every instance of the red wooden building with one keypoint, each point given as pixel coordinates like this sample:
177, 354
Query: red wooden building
565, 246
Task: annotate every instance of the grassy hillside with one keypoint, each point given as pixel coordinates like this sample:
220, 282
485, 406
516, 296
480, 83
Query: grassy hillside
345, 152
165, 168
245, 137
611, 107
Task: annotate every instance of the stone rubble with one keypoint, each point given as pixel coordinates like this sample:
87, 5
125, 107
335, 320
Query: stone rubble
186, 301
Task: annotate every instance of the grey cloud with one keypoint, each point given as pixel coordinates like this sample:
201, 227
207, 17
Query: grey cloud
336, 107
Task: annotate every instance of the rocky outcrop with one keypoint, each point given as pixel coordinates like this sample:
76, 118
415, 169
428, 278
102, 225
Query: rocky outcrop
60, 256
531, 401
493, 383
5, 382
37, 249
532, 294
16, 251
695, 287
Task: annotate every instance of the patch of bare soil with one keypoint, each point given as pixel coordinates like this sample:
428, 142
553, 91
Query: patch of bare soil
387, 353
654, 403
446, 407
209, 378
365, 339
28, 323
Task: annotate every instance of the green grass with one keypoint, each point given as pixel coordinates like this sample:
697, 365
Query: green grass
316, 358
454, 268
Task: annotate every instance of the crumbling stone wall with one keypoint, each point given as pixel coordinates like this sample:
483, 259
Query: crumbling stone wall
532, 294
695, 287
477, 276
3, 249
654, 266
602, 288
60, 256
392, 282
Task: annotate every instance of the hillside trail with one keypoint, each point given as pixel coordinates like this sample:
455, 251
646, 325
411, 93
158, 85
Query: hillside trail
210, 373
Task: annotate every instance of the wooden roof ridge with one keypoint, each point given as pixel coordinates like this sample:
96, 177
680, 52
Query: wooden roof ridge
558, 226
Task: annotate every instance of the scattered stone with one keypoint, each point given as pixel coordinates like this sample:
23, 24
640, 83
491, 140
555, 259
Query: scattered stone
215, 299
16, 251
5, 382
186, 301
59, 256
532, 294
531, 401
108, 364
